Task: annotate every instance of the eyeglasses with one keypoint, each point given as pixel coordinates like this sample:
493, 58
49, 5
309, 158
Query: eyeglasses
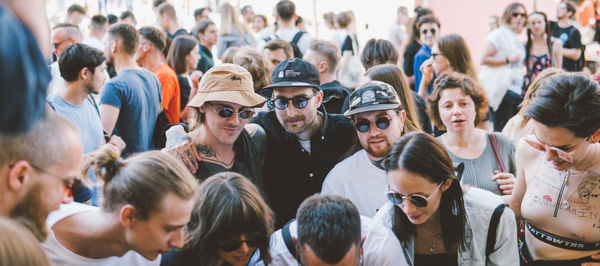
300, 102
424, 32
561, 154
516, 14
70, 184
418, 200
364, 125
227, 112
236, 244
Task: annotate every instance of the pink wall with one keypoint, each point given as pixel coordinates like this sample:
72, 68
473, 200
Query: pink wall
470, 18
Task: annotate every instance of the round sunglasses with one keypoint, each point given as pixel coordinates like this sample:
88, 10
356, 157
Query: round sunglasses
300, 102
227, 112
363, 125
418, 200
232, 245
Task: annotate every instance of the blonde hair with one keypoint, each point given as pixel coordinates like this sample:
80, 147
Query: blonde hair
19, 247
230, 21
253, 61
141, 180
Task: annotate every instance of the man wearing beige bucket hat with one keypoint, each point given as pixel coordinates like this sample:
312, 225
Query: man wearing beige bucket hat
218, 126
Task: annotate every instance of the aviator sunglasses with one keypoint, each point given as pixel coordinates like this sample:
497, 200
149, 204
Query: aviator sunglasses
418, 200
300, 102
364, 125
227, 112
232, 245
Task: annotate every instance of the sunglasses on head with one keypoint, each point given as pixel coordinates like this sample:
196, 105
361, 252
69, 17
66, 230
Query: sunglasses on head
236, 244
364, 125
534, 143
516, 14
424, 32
227, 112
418, 200
300, 102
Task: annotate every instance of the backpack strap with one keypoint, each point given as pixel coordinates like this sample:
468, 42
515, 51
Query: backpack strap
93, 101
297, 37
499, 159
287, 238
494, 221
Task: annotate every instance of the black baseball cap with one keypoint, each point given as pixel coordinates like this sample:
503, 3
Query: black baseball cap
295, 72
373, 96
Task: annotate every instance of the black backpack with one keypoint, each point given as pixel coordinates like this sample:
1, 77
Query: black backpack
293, 43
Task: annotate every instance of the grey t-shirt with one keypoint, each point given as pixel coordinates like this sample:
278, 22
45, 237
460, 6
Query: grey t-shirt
479, 171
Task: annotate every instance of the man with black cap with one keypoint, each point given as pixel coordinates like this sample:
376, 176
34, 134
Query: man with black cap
303, 141
378, 117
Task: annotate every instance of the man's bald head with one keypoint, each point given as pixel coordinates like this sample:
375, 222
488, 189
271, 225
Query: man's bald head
63, 35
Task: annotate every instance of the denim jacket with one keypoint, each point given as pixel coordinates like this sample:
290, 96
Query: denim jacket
479, 205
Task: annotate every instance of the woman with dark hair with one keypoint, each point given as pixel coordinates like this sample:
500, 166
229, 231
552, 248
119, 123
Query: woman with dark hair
559, 167
502, 71
378, 52
449, 53
183, 57
458, 105
541, 50
413, 46
230, 225
414, 105
431, 217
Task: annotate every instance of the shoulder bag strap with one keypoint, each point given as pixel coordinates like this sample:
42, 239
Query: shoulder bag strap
297, 37
491, 237
499, 159
287, 238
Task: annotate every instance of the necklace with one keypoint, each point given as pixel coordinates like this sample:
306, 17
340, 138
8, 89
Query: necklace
564, 204
435, 240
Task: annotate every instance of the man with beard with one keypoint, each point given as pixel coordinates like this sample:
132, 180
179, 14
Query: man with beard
82, 67
379, 120
36, 174
130, 102
303, 141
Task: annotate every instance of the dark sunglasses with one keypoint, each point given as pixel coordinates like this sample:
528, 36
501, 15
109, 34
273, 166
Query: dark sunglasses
418, 200
232, 245
227, 112
432, 31
516, 14
300, 102
364, 125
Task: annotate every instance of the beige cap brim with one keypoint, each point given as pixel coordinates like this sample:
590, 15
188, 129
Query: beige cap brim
243, 98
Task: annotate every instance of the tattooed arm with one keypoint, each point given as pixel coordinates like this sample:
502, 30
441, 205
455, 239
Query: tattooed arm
179, 144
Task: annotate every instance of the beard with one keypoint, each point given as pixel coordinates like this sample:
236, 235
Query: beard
298, 128
32, 213
378, 152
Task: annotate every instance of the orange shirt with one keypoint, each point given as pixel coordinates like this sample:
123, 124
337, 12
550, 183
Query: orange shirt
587, 13
170, 92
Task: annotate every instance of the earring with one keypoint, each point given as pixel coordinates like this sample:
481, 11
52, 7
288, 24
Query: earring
454, 208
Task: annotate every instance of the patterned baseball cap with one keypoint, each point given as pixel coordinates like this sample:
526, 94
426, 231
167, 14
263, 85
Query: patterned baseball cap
373, 96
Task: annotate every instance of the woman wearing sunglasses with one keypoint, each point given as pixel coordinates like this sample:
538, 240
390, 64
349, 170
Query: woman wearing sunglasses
220, 138
230, 225
502, 72
457, 105
428, 213
557, 188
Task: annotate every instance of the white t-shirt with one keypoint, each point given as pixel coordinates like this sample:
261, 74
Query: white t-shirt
506, 42
93, 42
287, 34
358, 180
57, 83
381, 247
59, 255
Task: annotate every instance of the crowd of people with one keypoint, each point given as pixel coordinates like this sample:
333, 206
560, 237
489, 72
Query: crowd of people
246, 142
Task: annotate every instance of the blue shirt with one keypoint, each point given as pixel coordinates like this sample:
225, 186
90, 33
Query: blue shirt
136, 92
86, 118
422, 55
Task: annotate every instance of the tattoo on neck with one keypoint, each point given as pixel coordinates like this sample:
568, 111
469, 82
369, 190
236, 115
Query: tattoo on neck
205, 150
379, 163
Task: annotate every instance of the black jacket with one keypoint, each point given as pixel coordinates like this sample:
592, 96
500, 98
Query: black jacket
292, 174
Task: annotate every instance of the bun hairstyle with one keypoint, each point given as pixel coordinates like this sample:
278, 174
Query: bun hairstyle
141, 180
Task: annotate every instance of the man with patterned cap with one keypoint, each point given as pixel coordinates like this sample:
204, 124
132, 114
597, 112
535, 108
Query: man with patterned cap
221, 138
378, 117
303, 141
